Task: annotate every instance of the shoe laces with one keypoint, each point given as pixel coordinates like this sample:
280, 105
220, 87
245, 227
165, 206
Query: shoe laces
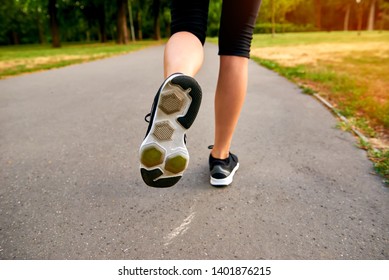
147, 118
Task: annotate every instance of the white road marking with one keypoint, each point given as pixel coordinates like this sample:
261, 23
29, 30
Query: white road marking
180, 229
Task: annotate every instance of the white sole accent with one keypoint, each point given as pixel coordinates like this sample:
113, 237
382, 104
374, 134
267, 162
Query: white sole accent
226, 181
175, 145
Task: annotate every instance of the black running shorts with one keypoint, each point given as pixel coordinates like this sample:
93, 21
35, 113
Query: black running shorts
236, 23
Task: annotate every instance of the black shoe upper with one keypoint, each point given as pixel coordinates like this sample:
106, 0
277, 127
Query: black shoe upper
222, 168
150, 116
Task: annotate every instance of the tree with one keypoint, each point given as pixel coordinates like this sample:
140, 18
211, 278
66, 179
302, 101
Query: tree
346, 20
102, 21
131, 21
139, 7
371, 20
10, 22
94, 13
122, 31
39, 16
275, 10
383, 15
54, 26
360, 15
156, 5
34, 12
36, 21
215, 8
273, 18
318, 13
342, 8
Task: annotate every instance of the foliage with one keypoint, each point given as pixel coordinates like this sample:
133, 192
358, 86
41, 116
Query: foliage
214, 13
381, 162
281, 8
282, 28
28, 21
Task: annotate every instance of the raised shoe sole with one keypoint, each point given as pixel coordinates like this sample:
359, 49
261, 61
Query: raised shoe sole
163, 153
225, 181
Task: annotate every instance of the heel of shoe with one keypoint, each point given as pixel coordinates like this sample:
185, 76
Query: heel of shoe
186, 82
150, 176
155, 163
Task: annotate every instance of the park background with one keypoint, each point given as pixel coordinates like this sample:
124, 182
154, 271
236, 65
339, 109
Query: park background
56, 21
69, 150
337, 49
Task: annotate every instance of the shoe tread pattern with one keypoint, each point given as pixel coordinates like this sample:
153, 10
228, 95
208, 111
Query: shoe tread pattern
173, 103
195, 93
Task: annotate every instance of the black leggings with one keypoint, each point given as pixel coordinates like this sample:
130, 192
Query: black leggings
236, 23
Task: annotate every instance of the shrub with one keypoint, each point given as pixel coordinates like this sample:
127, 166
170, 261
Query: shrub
282, 28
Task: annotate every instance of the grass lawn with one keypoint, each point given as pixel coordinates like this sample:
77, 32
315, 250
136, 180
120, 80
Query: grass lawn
350, 71
16, 60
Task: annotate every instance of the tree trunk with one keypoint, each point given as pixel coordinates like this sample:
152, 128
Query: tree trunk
42, 38
168, 30
318, 7
273, 18
122, 36
157, 27
102, 27
140, 33
371, 20
54, 26
347, 17
360, 15
87, 35
131, 21
15, 37
41, 31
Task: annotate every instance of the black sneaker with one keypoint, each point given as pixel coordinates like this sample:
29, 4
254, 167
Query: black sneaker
223, 170
163, 153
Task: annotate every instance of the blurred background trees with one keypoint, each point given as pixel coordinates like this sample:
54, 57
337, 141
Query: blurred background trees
56, 21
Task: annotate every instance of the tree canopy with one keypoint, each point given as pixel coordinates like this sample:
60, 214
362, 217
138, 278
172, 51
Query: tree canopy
56, 21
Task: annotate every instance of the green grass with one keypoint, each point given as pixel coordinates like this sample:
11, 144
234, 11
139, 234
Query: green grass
381, 163
306, 38
359, 123
32, 51
380, 159
353, 79
16, 60
288, 72
19, 69
337, 83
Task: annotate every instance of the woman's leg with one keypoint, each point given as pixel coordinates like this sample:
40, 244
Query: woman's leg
163, 152
229, 98
184, 50
236, 29
184, 54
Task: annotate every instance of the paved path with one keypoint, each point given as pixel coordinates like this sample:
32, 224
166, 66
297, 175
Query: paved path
70, 186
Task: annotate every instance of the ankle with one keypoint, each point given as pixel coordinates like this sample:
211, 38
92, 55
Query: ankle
220, 154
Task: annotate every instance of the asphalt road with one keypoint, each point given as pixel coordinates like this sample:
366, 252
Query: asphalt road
70, 186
